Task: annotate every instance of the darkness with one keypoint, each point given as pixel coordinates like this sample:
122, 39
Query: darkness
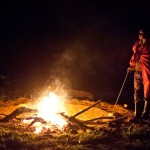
84, 44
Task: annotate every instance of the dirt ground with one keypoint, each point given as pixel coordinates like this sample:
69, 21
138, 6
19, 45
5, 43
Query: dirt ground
72, 106
15, 131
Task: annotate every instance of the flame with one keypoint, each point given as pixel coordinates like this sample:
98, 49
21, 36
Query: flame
48, 109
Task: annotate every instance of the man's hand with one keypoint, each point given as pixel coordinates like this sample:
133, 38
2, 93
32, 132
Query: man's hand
130, 69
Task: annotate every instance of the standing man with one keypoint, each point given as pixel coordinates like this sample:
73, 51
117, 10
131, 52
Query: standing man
140, 64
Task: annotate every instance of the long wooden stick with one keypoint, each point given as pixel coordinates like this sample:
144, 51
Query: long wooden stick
117, 119
82, 111
87, 121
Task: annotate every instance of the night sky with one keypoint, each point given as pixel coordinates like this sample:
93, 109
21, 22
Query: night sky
86, 44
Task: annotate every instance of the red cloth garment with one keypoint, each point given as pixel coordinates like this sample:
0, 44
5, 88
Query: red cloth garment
142, 52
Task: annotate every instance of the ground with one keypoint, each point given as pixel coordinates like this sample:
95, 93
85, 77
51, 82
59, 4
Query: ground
107, 134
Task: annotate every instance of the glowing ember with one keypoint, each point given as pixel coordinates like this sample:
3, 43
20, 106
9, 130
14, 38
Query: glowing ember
125, 105
110, 114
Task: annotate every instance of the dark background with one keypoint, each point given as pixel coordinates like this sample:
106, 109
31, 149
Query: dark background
85, 44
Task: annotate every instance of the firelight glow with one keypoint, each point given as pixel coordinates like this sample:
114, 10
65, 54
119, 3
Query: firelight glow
49, 107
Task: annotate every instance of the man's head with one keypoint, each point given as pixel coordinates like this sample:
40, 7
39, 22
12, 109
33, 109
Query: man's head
143, 34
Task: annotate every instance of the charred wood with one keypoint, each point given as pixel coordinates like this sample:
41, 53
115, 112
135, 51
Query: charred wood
17, 112
36, 119
74, 121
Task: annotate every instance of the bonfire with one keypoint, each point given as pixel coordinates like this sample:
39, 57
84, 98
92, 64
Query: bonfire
53, 112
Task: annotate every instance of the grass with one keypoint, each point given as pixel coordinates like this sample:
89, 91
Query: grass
105, 138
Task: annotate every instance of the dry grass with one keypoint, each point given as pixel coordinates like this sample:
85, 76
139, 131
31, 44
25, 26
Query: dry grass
124, 135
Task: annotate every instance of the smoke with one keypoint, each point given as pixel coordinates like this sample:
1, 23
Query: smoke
75, 65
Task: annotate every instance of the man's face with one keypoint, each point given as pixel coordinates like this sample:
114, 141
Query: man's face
141, 33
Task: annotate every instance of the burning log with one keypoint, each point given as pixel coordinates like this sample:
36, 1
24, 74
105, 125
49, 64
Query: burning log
17, 112
74, 121
36, 119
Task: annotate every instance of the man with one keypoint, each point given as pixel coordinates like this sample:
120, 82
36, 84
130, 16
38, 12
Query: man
140, 64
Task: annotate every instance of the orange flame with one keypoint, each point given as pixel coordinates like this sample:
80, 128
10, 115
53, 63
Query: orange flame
48, 109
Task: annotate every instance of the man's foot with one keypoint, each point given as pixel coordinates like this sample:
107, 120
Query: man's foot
135, 120
146, 111
145, 116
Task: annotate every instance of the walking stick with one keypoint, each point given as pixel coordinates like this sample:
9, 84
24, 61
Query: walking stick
121, 89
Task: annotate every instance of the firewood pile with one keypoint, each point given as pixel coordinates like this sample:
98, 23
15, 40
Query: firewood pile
73, 123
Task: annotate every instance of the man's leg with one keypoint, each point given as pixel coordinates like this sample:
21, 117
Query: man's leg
138, 90
146, 110
138, 86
